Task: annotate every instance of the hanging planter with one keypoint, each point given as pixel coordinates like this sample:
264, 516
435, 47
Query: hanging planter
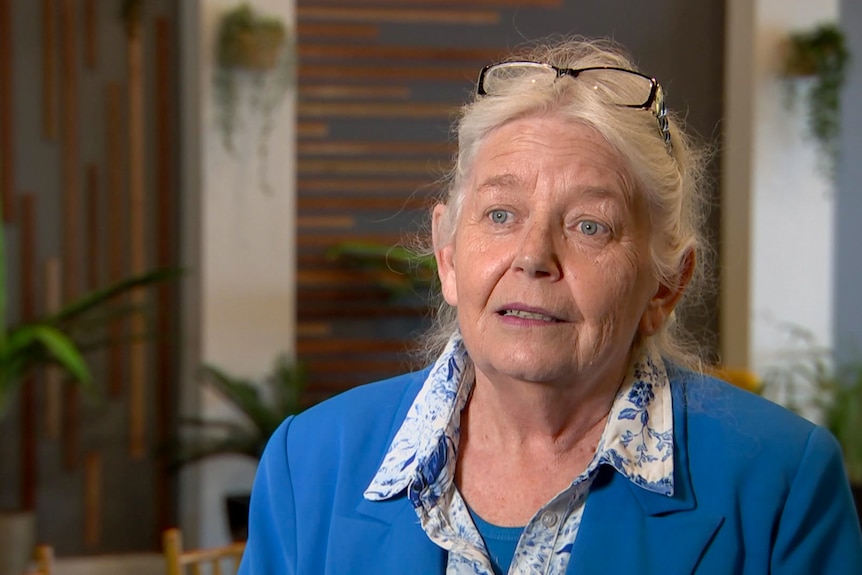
254, 57
820, 55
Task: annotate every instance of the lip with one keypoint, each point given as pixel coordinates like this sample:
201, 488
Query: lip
553, 318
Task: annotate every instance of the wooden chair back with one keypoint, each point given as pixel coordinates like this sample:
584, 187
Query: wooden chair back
44, 556
222, 560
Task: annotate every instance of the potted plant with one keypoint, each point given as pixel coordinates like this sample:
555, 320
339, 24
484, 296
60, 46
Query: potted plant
253, 53
264, 406
820, 54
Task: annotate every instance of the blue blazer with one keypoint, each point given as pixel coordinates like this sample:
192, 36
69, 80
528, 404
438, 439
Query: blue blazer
757, 490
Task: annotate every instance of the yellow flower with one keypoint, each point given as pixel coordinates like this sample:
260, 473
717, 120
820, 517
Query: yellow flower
739, 377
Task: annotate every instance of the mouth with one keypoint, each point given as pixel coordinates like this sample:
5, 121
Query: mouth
529, 315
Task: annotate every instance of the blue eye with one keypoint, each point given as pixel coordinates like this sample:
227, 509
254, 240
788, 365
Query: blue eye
499, 216
589, 227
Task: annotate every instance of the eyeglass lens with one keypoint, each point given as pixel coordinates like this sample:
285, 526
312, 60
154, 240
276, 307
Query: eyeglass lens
618, 87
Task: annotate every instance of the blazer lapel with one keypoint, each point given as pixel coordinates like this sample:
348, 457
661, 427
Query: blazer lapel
386, 538
627, 529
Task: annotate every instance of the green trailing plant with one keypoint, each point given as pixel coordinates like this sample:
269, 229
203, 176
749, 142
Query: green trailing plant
255, 51
821, 53
265, 405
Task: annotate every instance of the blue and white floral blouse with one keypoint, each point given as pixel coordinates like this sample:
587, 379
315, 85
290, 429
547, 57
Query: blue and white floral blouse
637, 441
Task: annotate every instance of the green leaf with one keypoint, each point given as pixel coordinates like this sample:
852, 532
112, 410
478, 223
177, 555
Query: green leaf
59, 349
99, 297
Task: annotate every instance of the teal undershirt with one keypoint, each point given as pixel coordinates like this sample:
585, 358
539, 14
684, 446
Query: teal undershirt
500, 542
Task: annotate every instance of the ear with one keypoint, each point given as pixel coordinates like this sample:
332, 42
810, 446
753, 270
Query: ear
663, 302
444, 253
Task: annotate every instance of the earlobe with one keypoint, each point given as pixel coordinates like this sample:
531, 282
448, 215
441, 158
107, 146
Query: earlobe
662, 304
444, 253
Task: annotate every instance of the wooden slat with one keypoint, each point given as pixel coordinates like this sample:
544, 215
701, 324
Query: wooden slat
91, 214
342, 167
397, 15
345, 148
353, 312
7, 155
356, 204
349, 346
53, 383
317, 72
164, 359
312, 222
27, 289
374, 110
90, 35
309, 240
350, 91
93, 499
305, 129
341, 52
49, 70
71, 234
69, 139
382, 186
438, 3
317, 329
137, 238
340, 31
115, 226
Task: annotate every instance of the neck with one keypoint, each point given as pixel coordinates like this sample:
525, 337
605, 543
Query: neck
516, 415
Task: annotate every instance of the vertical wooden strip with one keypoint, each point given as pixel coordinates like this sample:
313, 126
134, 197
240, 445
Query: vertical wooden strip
165, 209
90, 34
53, 379
49, 68
115, 224
137, 365
71, 208
70, 170
7, 168
92, 226
27, 287
93, 499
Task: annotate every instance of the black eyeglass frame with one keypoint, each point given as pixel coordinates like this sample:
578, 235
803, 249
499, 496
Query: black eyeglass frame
654, 102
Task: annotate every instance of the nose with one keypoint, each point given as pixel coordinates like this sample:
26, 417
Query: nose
537, 254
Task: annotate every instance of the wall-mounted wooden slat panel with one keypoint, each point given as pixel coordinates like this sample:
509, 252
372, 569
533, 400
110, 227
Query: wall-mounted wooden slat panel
387, 105
396, 15
91, 57
91, 226
53, 383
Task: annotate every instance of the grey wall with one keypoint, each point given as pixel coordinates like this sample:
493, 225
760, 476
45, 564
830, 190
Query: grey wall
848, 252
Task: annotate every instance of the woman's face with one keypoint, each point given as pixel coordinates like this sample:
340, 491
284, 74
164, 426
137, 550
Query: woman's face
549, 267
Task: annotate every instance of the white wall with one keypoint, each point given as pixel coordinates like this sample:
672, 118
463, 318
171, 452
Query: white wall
778, 206
239, 245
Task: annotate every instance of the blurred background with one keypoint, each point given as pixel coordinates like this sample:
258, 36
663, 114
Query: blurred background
243, 166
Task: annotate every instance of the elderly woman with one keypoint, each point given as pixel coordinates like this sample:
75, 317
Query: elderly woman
561, 428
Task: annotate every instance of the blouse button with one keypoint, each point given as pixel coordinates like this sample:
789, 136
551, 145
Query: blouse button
549, 519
